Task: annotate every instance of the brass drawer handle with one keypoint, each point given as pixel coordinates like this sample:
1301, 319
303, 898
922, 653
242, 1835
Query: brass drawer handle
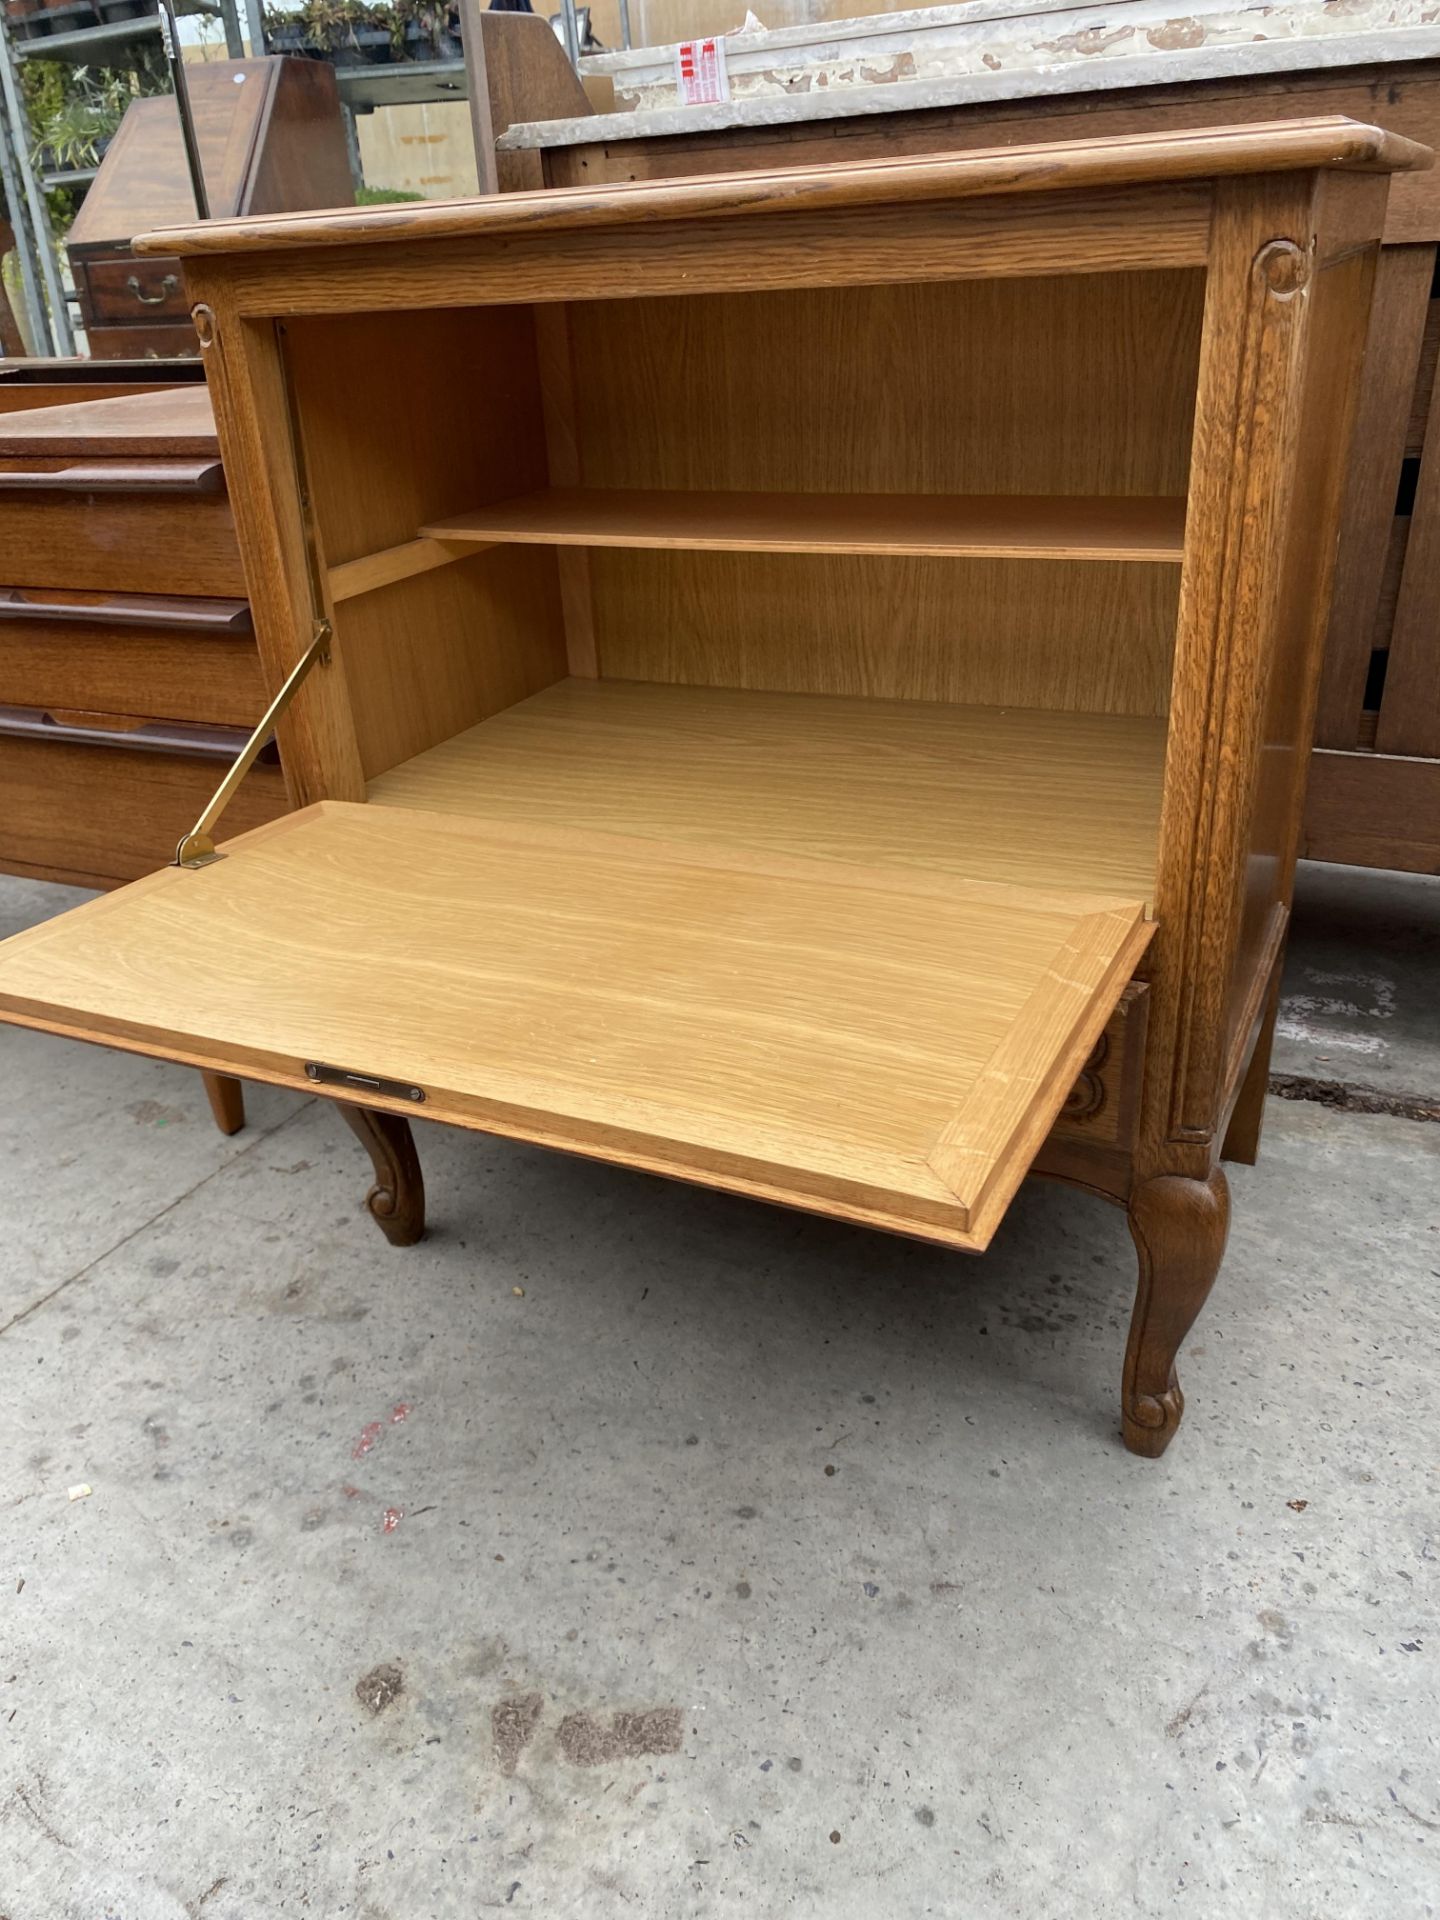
170, 284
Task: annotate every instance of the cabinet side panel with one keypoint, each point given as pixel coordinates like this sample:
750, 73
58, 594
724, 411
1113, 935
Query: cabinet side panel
391, 443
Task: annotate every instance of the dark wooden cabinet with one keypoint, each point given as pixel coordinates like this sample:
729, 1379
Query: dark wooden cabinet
271, 140
129, 677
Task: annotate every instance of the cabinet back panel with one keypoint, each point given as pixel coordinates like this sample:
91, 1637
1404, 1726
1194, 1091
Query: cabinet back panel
1087, 637
986, 386
980, 386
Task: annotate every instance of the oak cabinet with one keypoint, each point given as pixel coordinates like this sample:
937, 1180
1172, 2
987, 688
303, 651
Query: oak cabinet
815, 700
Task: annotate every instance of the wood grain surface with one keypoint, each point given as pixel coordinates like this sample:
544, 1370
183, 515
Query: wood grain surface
1048, 799
1037, 526
1074, 165
802, 1029
175, 421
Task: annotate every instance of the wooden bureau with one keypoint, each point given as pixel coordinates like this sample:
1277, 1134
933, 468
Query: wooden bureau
129, 676
271, 138
815, 702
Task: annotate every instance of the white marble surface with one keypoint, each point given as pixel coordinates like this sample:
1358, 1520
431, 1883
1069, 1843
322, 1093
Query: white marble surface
1090, 75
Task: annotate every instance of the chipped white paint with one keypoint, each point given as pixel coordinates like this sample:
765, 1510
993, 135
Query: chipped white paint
1315, 1020
990, 36
1326, 1039
989, 50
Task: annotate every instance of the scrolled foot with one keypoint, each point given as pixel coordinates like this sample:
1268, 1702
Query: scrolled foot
397, 1200
1179, 1227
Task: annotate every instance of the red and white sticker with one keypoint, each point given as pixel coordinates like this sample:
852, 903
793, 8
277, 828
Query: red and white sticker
700, 72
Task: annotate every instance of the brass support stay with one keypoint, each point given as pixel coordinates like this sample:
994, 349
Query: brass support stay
197, 849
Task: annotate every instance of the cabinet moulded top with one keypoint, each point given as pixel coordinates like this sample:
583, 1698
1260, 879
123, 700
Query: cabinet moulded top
1096, 166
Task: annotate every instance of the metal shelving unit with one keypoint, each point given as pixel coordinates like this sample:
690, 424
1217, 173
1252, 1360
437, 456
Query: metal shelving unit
43, 269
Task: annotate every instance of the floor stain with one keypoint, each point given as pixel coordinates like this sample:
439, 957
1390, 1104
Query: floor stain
585, 1743
154, 1113
376, 1689
512, 1724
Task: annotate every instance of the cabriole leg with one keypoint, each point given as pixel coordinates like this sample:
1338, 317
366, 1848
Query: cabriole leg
1179, 1228
397, 1199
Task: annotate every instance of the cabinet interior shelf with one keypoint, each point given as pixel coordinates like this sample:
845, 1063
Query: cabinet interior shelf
1022, 526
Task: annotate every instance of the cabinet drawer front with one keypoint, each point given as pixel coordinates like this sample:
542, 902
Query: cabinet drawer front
163, 340
97, 814
113, 659
124, 291
142, 542
1102, 1105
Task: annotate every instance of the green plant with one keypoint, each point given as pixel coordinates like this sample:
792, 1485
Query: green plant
329, 25
74, 111
382, 196
332, 24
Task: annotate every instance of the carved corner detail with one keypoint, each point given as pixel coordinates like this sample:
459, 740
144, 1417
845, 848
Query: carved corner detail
1087, 1097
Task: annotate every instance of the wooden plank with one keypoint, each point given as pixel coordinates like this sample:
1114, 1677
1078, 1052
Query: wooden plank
1015, 1095
1023, 526
1410, 705
1404, 96
1139, 229
1091, 166
1424, 383
374, 570
183, 674
116, 476
1398, 315
1025, 633
515, 72
555, 356
121, 542
100, 813
1373, 810
1045, 799
798, 1029
173, 421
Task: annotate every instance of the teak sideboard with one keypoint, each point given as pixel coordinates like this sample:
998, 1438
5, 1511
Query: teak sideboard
814, 701
129, 677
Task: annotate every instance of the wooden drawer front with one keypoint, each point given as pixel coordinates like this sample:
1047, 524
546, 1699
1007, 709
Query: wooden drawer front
1102, 1105
95, 813
163, 340
127, 292
138, 657
149, 540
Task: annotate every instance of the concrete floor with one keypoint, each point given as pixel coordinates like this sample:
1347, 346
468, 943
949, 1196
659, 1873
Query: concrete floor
1362, 979
989, 1666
